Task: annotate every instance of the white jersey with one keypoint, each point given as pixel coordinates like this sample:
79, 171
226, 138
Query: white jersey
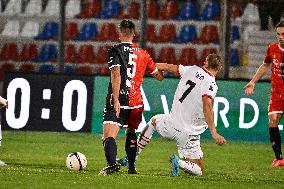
187, 109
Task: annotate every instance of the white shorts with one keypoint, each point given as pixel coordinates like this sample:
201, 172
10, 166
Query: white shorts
188, 145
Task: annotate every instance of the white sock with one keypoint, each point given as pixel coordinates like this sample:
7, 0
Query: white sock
190, 167
145, 137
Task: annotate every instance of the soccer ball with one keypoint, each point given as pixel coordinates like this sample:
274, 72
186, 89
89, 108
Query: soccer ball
76, 161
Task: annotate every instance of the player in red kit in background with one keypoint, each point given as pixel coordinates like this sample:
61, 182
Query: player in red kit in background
274, 59
124, 103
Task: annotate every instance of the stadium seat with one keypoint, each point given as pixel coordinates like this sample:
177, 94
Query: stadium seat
188, 11
104, 71
235, 35
46, 68
27, 68
102, 55
111, 9
13, 7
236, 10
234, 57
11, 29
28, 53
30, 29
33, 8
9, 51
72, 8
204, 54
209, 34
70, 54
52, 8
152, 9
188, 57
132, 11
6, 67
71, 30
48, 52
169, 10
91, 9
50, 30
86, 54
69, 69
151, 33
151, 52
84, 70
168, 55
187, 34
88, 31
107, 33
211, 11
167, 33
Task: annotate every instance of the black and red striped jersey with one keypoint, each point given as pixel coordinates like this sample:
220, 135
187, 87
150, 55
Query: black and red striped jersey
133, 62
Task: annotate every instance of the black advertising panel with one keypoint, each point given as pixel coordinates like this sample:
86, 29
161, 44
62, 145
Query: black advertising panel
48, 102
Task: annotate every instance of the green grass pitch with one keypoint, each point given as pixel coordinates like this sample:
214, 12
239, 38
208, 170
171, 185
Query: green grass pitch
37, 160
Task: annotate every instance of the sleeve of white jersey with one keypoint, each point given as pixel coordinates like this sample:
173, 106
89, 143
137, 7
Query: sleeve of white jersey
210, 89
182, 69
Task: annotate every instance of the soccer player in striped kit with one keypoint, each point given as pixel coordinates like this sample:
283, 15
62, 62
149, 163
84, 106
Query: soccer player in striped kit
124, 103
274, 61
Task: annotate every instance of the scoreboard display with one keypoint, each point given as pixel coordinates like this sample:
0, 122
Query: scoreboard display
48, 102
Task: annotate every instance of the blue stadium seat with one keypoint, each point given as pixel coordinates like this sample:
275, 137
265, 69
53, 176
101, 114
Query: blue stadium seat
187, 34
49, 31
211, 11
46, 68
235, 34
234, 57
69, 69
188, 11
47, 53
111, 9
87, 32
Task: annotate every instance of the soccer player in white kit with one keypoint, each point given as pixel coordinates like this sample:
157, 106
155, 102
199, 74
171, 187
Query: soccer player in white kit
3, 103
190, 116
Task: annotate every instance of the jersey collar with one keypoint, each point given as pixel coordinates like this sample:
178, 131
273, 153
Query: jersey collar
126, 42
280, 48
207, 71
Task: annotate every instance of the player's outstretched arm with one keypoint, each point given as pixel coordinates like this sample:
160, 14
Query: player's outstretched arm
263, 68
209, 117
168, 67
159, 75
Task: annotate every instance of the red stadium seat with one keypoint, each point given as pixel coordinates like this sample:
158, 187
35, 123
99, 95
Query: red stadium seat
204, 54
151, 33
104, 71
84, 70
6, 67
28, 53
236, 10
151, 52
188, 57
107, 33
209, 34
167, 55
70, 54
152, 9
9, 52
86, 54
71, 30
91, 9
132, 11
102, 55
27, 68
167, 33
169, 10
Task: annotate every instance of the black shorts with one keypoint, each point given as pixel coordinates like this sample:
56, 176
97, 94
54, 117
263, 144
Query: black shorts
130, 117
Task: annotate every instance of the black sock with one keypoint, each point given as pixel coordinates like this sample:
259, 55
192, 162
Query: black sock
131, 148
275, 139
110, 148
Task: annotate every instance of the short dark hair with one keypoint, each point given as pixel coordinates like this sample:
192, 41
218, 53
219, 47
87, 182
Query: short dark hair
280, 24
127, 27
214, 61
